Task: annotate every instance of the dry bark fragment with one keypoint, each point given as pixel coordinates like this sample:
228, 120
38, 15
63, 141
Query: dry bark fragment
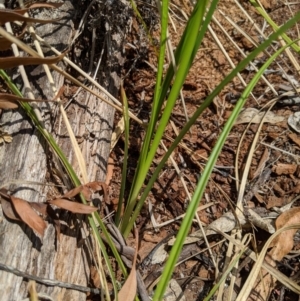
26, 158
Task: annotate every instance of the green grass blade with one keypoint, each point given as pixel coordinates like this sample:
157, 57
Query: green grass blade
151, 126
148, 153
200, 110
170, 73
187, 221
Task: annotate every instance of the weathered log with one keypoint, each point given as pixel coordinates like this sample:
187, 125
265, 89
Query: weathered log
28, 158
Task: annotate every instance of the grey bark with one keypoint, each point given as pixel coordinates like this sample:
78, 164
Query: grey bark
28, 158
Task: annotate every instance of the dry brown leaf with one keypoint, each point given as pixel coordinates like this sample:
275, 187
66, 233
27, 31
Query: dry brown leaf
284, 242
8, 105
11, 61
8, 15
128, 290
73, 206
47, 210
73, 192
28, 215
97, 186
95, 278
9, 210
87, 190
5, 44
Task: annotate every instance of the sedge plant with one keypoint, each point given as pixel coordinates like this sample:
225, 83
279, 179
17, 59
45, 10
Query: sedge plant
186, 50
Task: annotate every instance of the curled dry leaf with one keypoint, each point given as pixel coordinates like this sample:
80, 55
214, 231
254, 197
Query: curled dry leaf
295, 138
118, 131
87, 190
258, 221
284, 242
80, 189
28, 215
73, 206
98, 186
11, 62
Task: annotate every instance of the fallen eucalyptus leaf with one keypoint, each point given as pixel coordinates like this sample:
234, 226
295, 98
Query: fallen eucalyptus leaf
255, 116
73, 206
28, 215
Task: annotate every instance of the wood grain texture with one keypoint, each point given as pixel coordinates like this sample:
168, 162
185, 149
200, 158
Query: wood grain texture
29, 158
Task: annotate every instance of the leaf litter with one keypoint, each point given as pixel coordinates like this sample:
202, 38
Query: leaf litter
21, 210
